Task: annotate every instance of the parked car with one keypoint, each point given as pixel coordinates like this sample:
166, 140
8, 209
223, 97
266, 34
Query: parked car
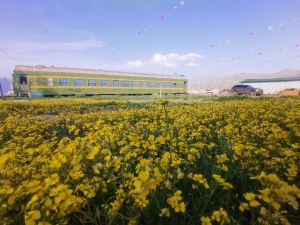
242, 89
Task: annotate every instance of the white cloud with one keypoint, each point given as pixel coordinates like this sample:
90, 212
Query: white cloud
135, 64
170, 60
176, 60
191, 64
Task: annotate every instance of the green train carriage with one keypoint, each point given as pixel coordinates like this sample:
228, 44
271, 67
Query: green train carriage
54, 81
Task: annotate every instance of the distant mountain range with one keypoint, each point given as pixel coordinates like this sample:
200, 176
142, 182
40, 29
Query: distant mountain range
227, 82
5, 85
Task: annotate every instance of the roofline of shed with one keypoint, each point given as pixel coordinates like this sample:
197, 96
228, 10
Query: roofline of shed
286, 79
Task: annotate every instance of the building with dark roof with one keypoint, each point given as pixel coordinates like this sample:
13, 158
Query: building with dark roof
274, 85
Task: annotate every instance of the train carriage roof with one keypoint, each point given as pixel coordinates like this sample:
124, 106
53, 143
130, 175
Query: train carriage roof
91, 71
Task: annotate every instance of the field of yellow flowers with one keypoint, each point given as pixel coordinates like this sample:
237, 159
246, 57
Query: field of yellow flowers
92, 162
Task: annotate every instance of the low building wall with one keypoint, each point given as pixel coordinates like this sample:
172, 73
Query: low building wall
275, 87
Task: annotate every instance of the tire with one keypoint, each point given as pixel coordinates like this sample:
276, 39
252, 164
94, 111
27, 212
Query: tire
235, 93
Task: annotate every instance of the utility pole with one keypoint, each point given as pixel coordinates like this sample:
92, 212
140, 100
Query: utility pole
29, 93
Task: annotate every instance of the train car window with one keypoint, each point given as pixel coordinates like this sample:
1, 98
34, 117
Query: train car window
154, 84
126, 83
23, 80
168, 85
78, 82
174, 85
104, 83
136, 83
63, 82
116, 83
91, 82
145, 84
161, 84
50, 81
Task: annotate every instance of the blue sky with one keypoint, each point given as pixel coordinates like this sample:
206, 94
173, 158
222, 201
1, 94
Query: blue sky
192, 37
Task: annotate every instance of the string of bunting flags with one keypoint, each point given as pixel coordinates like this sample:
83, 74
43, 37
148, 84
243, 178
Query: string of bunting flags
252, 34
260, 53
147, 28
272, 60
237, 64
226, 42
237, 59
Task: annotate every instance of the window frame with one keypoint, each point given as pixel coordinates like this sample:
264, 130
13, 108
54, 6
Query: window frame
50, 82
126, 83
168, 85
23, 80
136, 83
116, 83
104, 83
63, 81
78, 84
94, 83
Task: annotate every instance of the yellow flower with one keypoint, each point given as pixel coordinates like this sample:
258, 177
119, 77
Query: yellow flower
263, 211
249, 196
199, 178
144, 175
130, 158
132, 222
138, 185
93, 152
205, 220
44, 223
165, 212
243, 206
32, 216
32, 200
222, 182
220, 216
55, 163
176, 202
254, 203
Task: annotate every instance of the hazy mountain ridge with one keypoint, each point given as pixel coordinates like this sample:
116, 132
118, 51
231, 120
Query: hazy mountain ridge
229, 81
5, 85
